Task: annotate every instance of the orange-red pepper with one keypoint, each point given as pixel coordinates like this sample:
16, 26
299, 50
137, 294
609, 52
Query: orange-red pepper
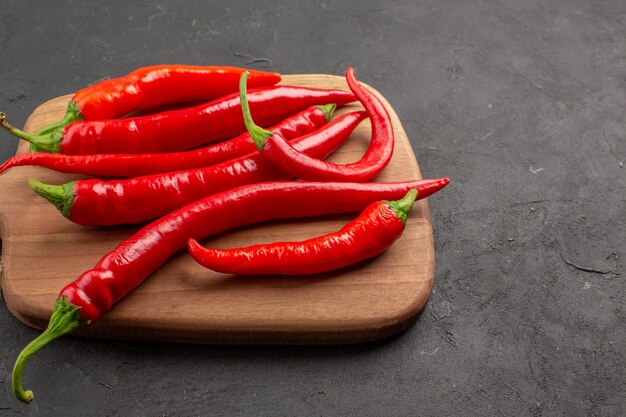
153, 86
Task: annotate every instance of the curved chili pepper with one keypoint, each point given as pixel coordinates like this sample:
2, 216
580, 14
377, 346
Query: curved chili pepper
153, 86
182, 129
93, 293
375, 159
133, 165
96, 202
376, 229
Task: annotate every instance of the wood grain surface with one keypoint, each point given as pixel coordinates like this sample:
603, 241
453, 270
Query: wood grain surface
42, 251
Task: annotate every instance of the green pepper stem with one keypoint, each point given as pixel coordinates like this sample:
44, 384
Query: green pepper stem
72, 114
328, 110
257, 133
61, 196
50, 142
403, 206
65, 319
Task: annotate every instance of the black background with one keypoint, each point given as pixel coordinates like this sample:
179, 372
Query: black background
521, 103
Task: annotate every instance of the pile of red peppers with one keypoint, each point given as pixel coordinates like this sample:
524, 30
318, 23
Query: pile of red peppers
202, 169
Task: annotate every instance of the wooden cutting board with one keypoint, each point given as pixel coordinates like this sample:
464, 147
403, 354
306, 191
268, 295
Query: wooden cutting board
42, 251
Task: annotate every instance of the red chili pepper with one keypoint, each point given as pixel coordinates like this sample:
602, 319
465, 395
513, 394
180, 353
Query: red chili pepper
153, 86
96, 202
376, 158
93, 293
182, 129
133, 165
376, 229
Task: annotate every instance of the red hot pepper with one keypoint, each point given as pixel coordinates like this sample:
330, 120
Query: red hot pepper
96, 202
376, 229
376, 158
133, 165
150, 87
182, 129
93, 294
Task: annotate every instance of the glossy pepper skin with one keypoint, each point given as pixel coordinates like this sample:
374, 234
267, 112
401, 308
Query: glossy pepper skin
182, 129
96, 202
153, 86
376, 229
93, 293
279, 151
133, 165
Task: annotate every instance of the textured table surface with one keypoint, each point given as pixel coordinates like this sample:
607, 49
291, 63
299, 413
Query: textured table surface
521, 104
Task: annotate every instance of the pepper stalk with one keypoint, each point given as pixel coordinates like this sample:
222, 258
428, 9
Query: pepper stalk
65, 319
49, 141
257, 133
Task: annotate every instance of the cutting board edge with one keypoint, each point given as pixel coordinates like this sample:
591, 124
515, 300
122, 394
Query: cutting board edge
372, 330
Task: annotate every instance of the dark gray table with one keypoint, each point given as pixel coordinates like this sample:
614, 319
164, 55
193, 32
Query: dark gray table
521, 103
